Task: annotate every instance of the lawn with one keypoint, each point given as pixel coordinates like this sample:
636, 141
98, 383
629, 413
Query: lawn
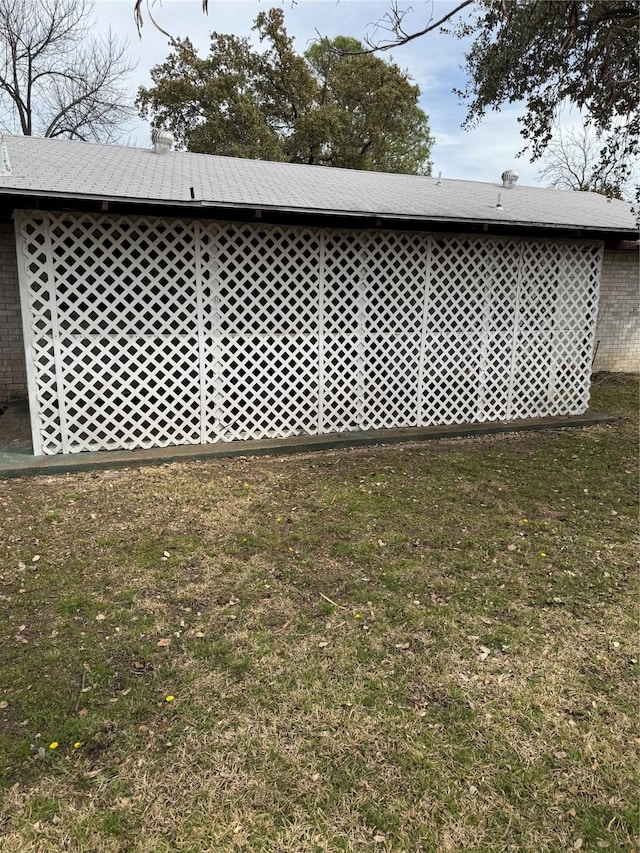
427, 647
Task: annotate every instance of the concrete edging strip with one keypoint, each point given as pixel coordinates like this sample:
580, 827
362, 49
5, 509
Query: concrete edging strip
20, 465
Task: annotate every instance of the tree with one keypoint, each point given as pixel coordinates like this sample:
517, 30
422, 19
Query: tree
55, 79
368, 111
322, 108
571, 161
547, 53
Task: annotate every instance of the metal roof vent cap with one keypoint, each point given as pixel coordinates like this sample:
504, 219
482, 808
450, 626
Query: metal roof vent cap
162, 140
509, 179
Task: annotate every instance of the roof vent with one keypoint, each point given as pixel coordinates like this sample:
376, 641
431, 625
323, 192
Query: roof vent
162, 140
509, 179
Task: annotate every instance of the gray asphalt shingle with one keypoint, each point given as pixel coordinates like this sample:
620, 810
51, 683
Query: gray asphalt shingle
64, 168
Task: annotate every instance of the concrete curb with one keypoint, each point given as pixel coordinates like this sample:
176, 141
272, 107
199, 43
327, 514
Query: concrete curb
22, 465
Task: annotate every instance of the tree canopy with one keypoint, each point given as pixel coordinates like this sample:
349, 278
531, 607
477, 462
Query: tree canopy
545, 53
332, 106
553, 53
55, 78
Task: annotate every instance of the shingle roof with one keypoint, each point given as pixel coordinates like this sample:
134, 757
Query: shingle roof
62, 168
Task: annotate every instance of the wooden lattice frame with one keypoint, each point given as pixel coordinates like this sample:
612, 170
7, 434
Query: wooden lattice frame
148, 332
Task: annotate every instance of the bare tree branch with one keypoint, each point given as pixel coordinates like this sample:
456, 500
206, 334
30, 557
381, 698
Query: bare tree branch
392, 22
55, 78
573, 161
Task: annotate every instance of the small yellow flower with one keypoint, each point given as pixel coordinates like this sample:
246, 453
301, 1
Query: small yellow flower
278, 519
357, 616
245, 485
77, 744
525, 521
169, 698
542, 554
53, 745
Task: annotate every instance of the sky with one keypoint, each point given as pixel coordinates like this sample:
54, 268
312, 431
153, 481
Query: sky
434, 62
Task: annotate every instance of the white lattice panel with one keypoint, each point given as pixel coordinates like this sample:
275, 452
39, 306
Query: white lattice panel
147, 332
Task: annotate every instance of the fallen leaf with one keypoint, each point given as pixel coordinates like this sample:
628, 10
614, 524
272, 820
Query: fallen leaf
511, 547
91, 774
198, 634
379, 839
402, 646
577, 844
164, 643
82, 712
484, 653
560, 754
4, 704
573, 789
323, 644
35, 558
100, 617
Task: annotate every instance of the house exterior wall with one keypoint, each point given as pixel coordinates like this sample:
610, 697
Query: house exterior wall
150, 332
13, 376
618, 330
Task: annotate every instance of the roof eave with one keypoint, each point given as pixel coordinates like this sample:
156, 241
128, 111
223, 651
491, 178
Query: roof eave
203, 204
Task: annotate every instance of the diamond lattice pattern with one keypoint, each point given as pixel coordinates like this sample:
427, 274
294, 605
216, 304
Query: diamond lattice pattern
148, 332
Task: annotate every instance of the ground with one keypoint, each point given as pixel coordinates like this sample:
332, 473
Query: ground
427, 647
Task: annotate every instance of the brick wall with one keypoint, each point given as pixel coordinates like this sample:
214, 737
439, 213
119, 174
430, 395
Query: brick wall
13, 376
618, 332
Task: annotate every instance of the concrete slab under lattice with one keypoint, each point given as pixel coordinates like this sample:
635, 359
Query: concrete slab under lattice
19, 463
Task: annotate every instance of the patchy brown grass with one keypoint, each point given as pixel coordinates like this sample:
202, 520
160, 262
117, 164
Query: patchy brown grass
416, 648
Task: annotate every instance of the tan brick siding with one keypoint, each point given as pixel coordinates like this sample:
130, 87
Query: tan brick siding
618, 332
13, 375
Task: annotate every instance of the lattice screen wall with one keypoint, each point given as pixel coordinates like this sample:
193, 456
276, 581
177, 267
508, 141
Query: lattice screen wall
148, 332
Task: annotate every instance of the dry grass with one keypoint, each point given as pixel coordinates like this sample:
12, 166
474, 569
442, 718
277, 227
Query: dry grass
429, 647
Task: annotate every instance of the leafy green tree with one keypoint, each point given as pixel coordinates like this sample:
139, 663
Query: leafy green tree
547, 54
365, 113
550, 54
327, 107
